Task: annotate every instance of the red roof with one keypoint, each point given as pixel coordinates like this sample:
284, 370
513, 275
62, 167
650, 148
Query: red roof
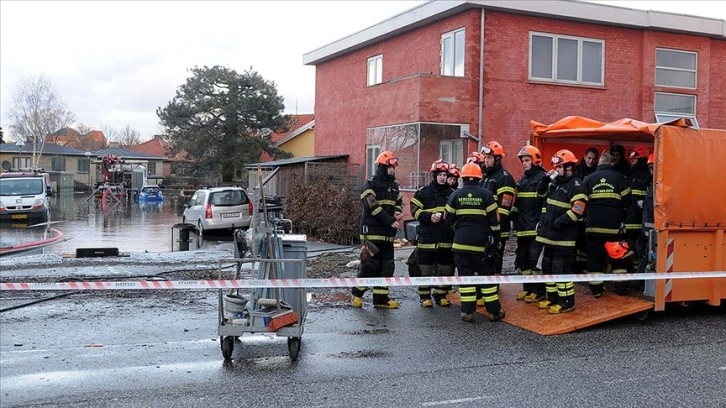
295, 123
158, 147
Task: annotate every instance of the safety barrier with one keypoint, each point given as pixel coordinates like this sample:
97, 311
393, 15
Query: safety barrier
347, 282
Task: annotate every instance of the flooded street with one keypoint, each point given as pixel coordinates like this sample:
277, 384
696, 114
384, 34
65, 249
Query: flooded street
131, 227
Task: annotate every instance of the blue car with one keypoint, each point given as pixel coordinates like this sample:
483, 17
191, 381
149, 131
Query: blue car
150, 194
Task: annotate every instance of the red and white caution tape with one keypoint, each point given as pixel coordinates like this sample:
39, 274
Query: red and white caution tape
350, 282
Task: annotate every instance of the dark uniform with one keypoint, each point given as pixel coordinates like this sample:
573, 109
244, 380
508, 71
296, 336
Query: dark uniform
501, 184
640, 179
472, 212
564, 208
434, 240
381, 198
608, 198
526, 213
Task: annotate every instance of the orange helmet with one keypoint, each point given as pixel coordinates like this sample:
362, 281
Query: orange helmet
617, 249
494, 148
471, 170
639, 151
562, 157
475, 157
387, 158
651, 158
454, 171
531, 151
439, 166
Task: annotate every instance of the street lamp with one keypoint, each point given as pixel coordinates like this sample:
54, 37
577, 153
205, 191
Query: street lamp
20, 145
88, 157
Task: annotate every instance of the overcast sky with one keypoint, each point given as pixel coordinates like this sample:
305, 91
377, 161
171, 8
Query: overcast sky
115, 63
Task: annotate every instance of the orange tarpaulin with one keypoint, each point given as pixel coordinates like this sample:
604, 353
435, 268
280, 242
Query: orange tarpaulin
581, 126
689, 193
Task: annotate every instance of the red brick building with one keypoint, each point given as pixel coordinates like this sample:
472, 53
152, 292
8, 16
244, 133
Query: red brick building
444, 78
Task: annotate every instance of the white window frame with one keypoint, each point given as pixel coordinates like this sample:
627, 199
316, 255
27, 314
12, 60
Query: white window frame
580, 40
375, 70
666, 68
662, 116
372, 152
21, 162
449, 66
450, 148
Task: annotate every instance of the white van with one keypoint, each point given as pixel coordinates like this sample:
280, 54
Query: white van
24, 197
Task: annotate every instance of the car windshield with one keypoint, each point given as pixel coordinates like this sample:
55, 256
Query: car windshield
227, 198
150, 189
19, 187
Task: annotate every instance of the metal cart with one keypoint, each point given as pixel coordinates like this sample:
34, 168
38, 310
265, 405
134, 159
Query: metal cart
274, 254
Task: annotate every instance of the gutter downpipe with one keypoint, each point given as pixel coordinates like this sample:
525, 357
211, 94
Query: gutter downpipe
481, 81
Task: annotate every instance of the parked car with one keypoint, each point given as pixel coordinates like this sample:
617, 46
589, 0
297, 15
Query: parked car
24, 197
150, 193
218, 208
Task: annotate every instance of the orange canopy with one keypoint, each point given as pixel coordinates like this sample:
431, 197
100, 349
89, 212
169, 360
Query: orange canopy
628, 129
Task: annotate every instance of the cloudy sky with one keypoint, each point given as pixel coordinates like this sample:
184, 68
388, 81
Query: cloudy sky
115, 63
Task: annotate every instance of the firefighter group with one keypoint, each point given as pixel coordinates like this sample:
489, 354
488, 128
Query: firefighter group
581, 216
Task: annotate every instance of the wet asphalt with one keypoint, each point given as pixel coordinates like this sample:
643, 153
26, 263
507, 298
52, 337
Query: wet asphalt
143, 348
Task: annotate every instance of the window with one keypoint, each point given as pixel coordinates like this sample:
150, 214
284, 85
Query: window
21, 162
669, 106
152, 167
375, 70
84, 165
58, 163
452, 151
452, 53
372, 153
570, 60
675, 68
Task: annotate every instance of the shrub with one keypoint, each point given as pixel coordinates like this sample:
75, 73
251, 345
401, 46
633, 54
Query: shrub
323, 210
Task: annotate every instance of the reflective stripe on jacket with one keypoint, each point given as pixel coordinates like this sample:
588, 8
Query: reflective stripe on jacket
427, 201
472, 212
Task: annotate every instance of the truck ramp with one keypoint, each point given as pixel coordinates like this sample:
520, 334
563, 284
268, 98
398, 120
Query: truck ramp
588, 310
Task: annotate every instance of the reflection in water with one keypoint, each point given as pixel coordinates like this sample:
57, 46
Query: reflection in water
131, 227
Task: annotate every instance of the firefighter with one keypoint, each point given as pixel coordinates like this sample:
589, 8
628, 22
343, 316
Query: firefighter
640, 179
434, 236
526, 213
565, 206
454, 174
501, 184
619, 161
381, 218
608, 196
621, 260
648, 218
472, 212
587, 164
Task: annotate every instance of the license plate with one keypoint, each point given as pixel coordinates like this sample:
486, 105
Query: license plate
230, 215
19, 217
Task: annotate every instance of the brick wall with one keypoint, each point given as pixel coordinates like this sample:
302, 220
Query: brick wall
413, 91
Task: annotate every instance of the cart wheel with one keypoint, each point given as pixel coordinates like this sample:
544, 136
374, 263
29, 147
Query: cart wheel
641, 316
227, 344
293, 346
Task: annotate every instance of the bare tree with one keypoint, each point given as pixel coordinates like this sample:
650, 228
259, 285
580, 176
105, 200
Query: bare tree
83, 128
110, 132
129, 136
36, 111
